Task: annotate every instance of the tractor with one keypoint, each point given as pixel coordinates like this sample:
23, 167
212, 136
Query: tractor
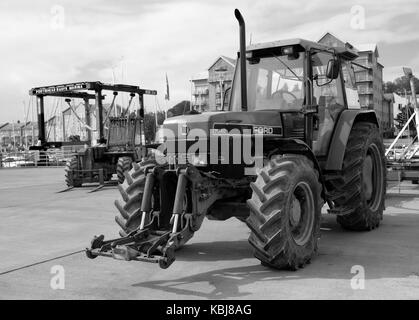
295, 105
112, 154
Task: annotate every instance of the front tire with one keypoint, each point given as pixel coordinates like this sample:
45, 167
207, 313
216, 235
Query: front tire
285, 210
70, 178
131, 190
124, 164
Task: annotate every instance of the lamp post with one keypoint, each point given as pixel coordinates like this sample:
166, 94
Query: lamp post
221, 71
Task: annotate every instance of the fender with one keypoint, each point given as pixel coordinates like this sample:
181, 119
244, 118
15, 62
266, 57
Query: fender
341, 133
297, 146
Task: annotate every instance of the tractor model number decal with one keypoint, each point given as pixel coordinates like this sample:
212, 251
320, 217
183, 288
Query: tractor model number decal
227, 128
267, 130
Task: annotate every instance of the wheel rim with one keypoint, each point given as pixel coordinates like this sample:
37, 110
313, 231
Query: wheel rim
301, 215
373, 180
367, 173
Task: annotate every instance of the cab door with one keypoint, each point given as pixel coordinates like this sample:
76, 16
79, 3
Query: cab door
329, 96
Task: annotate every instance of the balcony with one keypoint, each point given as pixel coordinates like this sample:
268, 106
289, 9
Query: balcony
200, 92
362, 77
365, 90
363, 62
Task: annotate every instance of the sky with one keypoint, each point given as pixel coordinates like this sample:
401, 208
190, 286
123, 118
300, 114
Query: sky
138, 42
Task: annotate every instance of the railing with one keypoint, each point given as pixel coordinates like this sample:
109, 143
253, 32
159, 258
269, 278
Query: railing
398, 137
35, 158
201, 92
363, 62
363, 77
365, 90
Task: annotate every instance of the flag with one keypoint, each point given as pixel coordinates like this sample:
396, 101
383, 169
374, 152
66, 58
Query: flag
167, 95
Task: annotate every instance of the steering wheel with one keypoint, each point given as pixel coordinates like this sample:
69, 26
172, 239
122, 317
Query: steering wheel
282, 92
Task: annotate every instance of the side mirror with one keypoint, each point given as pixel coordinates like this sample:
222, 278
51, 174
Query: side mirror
333, 69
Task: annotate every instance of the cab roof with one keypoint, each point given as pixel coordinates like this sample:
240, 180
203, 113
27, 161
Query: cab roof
343, 52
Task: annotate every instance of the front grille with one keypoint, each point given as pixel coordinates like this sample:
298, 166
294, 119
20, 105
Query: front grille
293, 125
297, 133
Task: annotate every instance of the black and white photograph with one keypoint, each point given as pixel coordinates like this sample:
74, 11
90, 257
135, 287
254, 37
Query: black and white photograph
228, 151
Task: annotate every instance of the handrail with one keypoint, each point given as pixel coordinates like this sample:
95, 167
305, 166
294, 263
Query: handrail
400, 133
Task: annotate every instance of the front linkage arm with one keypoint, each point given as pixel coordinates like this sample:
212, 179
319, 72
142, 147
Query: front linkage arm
147, 243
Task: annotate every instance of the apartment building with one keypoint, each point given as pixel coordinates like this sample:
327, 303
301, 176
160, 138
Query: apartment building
18, 134
209, 88
200, 91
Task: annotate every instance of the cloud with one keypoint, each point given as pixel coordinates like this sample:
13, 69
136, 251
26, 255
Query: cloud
139, 42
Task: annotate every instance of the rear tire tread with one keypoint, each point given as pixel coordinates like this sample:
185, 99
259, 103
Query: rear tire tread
346, 191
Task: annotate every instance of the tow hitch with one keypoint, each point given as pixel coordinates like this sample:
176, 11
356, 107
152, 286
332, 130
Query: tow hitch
145, 245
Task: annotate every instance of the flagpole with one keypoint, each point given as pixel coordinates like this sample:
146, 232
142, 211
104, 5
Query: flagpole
192, 87
167, 96
14, 137
155, 110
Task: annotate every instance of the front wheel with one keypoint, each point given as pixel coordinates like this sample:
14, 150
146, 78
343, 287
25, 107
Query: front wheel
71, 178
124, 165
285, 210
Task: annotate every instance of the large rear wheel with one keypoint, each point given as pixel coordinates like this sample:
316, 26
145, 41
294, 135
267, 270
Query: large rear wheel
361, 189
285, 210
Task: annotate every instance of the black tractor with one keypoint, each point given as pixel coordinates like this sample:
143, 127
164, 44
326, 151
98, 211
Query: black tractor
119, 138
294, 105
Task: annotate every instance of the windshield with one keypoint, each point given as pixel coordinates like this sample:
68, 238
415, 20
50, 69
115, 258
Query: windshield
273, 82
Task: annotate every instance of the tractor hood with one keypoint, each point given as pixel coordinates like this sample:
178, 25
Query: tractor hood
265, 122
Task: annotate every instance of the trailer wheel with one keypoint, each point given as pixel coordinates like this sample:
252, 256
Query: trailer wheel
124, 164
362, 187
285, 210
70, 178
131, 191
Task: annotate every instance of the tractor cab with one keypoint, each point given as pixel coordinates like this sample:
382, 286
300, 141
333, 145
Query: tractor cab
298, 79
124, 132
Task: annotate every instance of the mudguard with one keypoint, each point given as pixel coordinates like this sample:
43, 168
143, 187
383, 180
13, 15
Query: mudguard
298, 146
341, 134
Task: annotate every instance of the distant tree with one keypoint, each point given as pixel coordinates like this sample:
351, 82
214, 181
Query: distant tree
150, 125
399, 85
179, 109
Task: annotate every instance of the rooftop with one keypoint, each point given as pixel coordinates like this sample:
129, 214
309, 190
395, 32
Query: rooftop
230, 61
366, 47
200, 76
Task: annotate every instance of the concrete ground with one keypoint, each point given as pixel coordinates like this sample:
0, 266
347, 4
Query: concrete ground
41, 229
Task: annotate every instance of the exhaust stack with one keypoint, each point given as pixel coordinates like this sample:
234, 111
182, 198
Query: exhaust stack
243, 73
